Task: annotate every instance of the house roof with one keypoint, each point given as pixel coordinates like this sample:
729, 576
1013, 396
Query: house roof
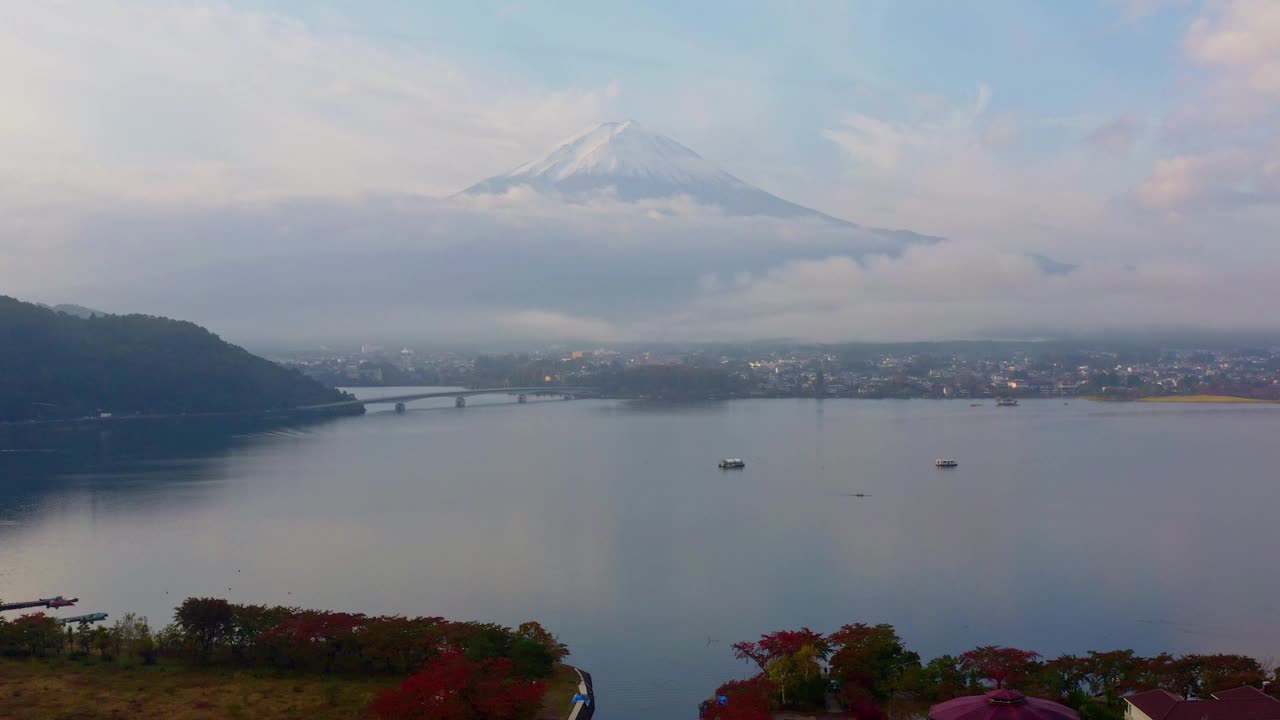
1155, 704
1244, 692
1244, 703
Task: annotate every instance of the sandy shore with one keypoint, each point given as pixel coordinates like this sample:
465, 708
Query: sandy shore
1204, 399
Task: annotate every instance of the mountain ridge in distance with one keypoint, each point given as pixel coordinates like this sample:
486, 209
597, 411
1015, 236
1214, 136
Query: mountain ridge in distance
636, 163
79, 311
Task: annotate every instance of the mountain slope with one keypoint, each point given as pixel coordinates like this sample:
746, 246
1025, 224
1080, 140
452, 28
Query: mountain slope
638, 164
55, 366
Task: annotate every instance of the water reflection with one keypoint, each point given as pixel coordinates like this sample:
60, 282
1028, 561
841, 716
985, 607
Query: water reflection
1065, 528
126, 457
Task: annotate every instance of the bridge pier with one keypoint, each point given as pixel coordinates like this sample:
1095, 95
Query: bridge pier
459, 402
522, 398
400, 407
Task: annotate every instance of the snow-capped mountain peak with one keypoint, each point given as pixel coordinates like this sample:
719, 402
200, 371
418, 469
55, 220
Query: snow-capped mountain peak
625, 149
632, 163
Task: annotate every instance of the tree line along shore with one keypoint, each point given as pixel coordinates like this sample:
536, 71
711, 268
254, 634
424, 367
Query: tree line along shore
256, 661
868, 671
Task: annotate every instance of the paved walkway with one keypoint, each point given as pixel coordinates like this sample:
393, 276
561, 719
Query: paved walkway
584, 710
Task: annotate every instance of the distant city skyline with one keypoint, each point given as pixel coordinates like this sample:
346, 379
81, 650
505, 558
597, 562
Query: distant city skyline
228, 161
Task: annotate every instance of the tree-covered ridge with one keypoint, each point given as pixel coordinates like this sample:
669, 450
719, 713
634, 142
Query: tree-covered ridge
54, 365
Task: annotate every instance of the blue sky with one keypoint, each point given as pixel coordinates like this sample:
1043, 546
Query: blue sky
816, 59
772, 76
1120, 136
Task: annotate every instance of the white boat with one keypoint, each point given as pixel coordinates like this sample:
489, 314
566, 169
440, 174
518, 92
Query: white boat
1006, 401
945, 463
732, 464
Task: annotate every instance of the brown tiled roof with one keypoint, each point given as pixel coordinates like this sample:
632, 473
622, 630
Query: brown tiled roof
1243, 703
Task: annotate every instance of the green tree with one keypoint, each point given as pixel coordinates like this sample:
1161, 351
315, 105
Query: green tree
130, 631
1111, 673
104, 639
871, 658
534, 631
943, 678
796, 675
84, 638
206, 621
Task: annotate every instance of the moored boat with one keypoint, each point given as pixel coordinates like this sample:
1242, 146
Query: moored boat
732, 464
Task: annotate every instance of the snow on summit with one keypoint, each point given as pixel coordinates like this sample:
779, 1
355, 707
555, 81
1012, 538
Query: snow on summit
624, 149
635, 163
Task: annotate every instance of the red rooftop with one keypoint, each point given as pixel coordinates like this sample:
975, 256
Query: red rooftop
1242, 703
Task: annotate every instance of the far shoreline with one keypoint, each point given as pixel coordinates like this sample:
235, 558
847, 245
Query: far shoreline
1192, 399
1224, 399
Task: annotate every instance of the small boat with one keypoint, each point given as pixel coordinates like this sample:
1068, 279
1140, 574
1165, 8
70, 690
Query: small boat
975, 404
1006, 402
732, 464
945, 463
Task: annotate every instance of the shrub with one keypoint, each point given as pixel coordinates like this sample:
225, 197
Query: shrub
454, 687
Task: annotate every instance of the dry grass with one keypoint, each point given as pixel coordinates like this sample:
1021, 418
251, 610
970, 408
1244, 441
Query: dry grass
64, 690
61, 689
561, 688
1203, 399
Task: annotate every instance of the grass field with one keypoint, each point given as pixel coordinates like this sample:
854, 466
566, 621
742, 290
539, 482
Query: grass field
1204, 399
561, 688
61, 689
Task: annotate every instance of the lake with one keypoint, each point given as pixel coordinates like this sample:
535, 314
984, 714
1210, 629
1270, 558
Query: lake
1066, 527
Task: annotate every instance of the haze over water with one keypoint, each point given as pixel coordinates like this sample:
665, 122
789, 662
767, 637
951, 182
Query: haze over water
1065, 527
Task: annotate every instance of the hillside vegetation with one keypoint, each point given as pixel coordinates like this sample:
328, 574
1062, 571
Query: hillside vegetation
56, 366
220, 659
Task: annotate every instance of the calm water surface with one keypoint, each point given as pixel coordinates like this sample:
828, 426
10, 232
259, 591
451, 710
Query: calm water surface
1065, 528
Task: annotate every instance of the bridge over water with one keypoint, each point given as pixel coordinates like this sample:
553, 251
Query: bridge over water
399, 400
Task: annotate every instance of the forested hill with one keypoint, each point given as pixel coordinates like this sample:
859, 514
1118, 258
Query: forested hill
54, 366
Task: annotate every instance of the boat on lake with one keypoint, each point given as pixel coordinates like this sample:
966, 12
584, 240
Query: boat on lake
732, 464
940, 462
1006, 401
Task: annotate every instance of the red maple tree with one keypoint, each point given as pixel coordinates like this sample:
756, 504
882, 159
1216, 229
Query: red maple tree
1003, 666
452, 687
780, 644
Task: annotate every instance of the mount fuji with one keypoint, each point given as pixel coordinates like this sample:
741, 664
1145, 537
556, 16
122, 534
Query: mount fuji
636, 163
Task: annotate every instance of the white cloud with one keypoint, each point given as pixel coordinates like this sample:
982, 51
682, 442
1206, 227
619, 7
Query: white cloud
1224, 132
964, 173
1004, 130
234, 167
1179, 181
883, 143
1118, 135
947, 291
201, 102
1242, 36
873, 141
